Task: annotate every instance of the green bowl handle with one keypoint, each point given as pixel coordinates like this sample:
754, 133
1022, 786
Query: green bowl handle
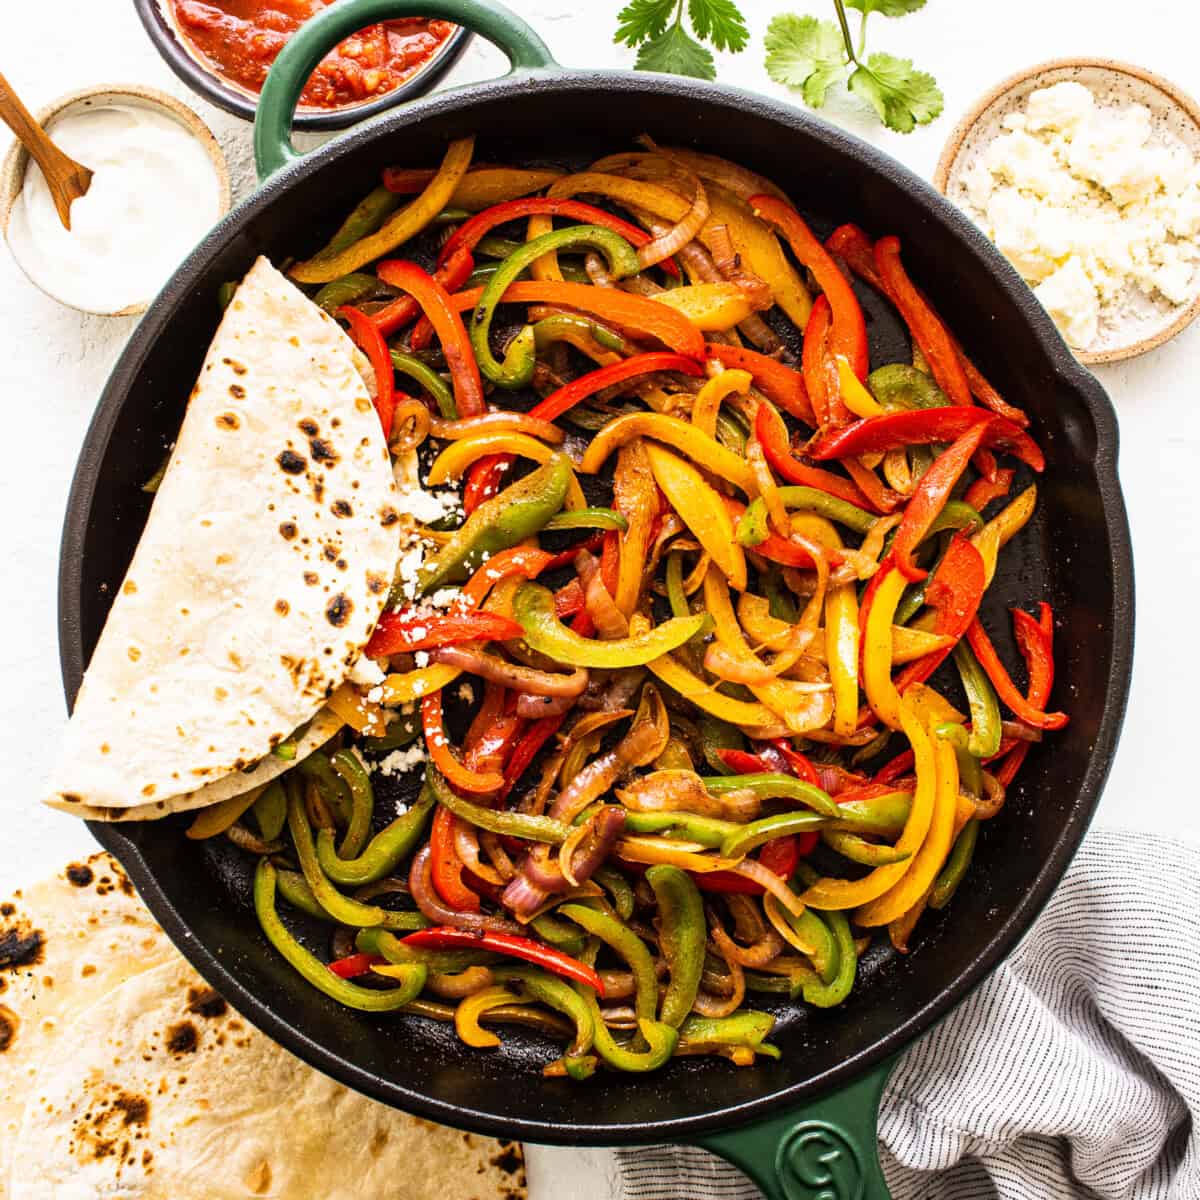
827, 1150
273, 147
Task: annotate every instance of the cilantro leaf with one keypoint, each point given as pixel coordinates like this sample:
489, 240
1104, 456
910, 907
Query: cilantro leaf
719, 22
641, 20
889, 8
676, 53
805, 53
902, 96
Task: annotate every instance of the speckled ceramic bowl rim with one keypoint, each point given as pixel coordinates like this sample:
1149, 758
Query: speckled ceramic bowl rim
12, 172
941, 175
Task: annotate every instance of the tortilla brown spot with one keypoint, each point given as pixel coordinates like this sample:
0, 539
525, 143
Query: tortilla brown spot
309, 427
338, 611
342, 508
375, 583
322, 451
148, 790
129, 587
237, 391
182, 1039
205, 1002
136, 1109
9, 1021
291, 462
236, 367
7, 909
281, 607
134, 654
80, 874
389, 516
311, 578
228, 421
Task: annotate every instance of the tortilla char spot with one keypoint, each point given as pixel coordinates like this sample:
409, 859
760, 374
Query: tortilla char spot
309, 427
281, 607
291, 462
21, 946
135, 1110
376, 583
389, 516
258, 1179
80, 874
341, 508
509, 1160
129, 587
318, 487
182, 1038
9, 1022
322, 451
205, 1002
229, 420
7, 909
288, 530
311, 578
329, 553
236, 367
340, 564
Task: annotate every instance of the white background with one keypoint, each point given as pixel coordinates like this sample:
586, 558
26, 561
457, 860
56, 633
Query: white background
53, 363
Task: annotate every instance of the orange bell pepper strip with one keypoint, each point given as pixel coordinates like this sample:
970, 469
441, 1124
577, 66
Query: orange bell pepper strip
778, 382
451, 275
1008, 692
983, 491
370, 341
578, 390
446, 866
437, 305
528, 561
848, 335
930, 498
880, 497
857, 251
772, 436
460, 777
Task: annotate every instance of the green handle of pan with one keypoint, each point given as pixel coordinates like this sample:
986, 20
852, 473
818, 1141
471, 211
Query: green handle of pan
826, 1150
273, 147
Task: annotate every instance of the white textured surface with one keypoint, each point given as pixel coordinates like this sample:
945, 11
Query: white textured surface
53, 363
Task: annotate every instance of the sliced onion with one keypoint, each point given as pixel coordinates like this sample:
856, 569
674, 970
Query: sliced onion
388, 885
566, 852
420, 883
597, 270
588, 786
494, 422
768, 489
765, 943
994, 795
783, 927
1020, 731
521, 679
679, 235
609, 620
872, 544
754, 871
736, 668
466, 846
411, 424
242, 837
714, 1006
534, 708
494, 849
670, 791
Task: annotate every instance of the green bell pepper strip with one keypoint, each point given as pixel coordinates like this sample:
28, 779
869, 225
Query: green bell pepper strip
957, 514
313, 969
754, 526
555, 328
748, 1028
510, 824
225, 294
364, 219
984, 741
660, 1040
480, 276
872, 749
497, 247
617, 886
883, 815
333, 788
347, 290
682, 936
270, 811
390, 846
401, 732
429, 379
588, 518
362, 801
775, 786
826, 955
900, 386
299, 895
518, 512
779, 601
717, 735
556, 994
970, 773
560, 934
441, 962
533, 608
731, 433
956, 867
342, 908
676, 597
827, 995
516, 370
710, 832
859, 850
749, 837
624, 942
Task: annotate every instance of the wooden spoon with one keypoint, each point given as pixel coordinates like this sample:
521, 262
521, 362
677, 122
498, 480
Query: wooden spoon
67, 179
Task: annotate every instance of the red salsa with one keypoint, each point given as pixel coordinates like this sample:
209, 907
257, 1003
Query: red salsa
240, 39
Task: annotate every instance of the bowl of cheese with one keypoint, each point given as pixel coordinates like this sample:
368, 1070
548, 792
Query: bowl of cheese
1086, 175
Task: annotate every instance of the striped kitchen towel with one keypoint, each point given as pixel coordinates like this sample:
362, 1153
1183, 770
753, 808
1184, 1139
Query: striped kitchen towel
1074, 1071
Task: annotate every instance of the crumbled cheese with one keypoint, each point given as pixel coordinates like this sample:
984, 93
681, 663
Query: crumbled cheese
1092, 205
466, 693
445, 598
366, 672
375, 695
399, 762
421, 658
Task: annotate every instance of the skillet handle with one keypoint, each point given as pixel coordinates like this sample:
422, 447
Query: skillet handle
827, 1150
273, 147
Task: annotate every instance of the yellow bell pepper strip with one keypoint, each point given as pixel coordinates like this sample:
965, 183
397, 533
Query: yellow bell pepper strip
366, 217
679, 434
479, 188
471, 1008
686, 855
403, 689
701, 510
707, 403
830, 893
931, 705
533, 609
842, 655
355, 710
712, 307
882, 695
635, 495
1002, 528
929, 859
399, 228
854, 396
452, 463
219, 817
695, 690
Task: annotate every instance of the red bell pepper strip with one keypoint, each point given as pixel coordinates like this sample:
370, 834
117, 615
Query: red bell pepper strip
370, 341
484, 479
779, 383
445, 937
566, 397
857, 251
459, 776
610, 561
880, 497
983, 391
436, 303
404, 309
1035, 640
820, 371
407, 631
354, 965
567, 556
891, 771
526, 750
848, 336
468, 234
954, 592
930, 498
913, 427
1008, 692
445, 865
742, 762
569, 600
797, 763
491, 709
639, 314
781, 855
518, 560
772, 436
927, 330
983, 491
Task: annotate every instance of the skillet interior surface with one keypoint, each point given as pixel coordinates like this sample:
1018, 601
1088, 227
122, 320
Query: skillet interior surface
1075, 554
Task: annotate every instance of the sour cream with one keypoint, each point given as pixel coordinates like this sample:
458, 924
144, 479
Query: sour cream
154, 194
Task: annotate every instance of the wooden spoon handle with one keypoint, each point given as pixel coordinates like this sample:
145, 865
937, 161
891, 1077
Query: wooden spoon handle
67, 179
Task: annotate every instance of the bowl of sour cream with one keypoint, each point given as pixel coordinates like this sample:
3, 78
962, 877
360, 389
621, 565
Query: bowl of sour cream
159, 183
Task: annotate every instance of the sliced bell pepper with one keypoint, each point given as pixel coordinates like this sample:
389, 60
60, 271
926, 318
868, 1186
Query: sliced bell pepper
404, 310
1035, 640
780, 855
984, 740
407, 631
882, 694
484, 479
896, 430
822, 379
855, 248
480, 187
443, 757
771, 433
370, 341
1008, 692
578, 390
435, 302
983, 491
682, 934
777, 381
930, 498
526, 750
700, 693
713, 307
848, 335
842, 655
446, 866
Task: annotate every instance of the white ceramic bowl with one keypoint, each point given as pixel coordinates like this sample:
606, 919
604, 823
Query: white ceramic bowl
12, 172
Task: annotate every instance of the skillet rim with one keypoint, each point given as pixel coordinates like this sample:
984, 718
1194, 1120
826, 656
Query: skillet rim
950, 223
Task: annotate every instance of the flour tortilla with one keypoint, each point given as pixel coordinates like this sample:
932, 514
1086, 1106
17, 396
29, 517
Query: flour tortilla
65, 943
263, 567
161, 1092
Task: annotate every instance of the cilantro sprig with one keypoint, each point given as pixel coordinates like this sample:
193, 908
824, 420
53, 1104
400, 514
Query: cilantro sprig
812, 56
658, 30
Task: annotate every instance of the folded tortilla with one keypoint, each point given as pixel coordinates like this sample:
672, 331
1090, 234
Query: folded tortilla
264, 565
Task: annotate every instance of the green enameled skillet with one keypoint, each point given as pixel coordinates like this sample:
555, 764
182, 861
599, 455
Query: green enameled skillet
804, 1126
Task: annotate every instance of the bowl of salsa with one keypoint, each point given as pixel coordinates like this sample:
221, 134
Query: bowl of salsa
223, 49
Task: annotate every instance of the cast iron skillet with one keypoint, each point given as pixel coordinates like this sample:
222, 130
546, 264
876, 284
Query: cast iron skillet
802, 1126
